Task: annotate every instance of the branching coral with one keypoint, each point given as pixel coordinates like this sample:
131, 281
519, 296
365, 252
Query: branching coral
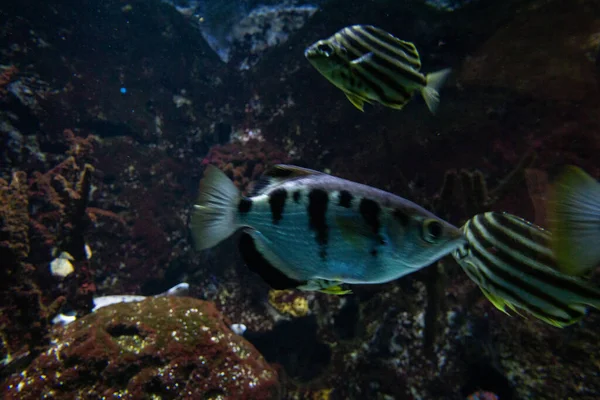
245, 162
41, 216
14, 229
7, 74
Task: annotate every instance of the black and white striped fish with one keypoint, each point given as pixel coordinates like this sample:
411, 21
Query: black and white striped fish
369, 64
310, 229
510, 259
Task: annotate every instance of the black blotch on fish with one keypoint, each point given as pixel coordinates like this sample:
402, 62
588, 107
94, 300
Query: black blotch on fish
374, 252
401, 217
259, 265
317, 209
345, 199
244, 205
277, 202
370, 210
296, 196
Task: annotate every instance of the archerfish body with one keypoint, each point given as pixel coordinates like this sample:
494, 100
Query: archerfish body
511, 261
317, 231
368, 64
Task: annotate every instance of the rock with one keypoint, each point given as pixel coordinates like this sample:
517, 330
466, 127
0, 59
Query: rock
546, 51
162, 347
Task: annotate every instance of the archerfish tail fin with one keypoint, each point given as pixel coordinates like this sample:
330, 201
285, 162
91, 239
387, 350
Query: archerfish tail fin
430, 92
214, 217
574, 219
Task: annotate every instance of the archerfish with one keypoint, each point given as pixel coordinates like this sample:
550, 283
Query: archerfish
511, 260
574, 218
369, 64
311, 230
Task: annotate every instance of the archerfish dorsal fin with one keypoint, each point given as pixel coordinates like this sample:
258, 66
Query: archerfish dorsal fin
280, 173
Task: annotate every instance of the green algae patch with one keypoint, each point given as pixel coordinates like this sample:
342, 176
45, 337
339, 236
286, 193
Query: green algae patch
160, 348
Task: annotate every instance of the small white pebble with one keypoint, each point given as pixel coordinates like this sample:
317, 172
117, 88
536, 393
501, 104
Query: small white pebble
61, 267
238, 329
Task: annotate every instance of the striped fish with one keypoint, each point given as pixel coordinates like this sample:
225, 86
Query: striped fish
511, 261
313, 231
369, 64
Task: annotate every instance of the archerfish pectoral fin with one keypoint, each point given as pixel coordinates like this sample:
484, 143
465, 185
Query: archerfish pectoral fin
280, 173
262, 264
324, 286
574, 218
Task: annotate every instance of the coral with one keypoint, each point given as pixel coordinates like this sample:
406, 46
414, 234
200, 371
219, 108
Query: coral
7, 74
14, 229
245, 163
42, 216
166, 347
289, 302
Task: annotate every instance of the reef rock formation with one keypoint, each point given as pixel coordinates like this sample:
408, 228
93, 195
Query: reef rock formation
167, 347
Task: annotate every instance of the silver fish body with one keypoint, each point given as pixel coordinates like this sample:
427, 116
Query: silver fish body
370, 65
313, 226
511, 260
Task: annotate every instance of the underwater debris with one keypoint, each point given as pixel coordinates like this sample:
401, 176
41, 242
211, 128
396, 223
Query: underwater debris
167, 347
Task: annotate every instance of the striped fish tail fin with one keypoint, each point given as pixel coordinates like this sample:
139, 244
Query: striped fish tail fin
574, 218
430, 92
214, 217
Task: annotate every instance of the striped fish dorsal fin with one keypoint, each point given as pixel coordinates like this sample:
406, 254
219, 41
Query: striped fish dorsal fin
391, 42
280, 173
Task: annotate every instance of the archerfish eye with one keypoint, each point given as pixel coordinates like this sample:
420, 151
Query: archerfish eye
432, 230
325, 49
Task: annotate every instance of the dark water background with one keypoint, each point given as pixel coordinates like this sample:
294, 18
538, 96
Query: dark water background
110, 110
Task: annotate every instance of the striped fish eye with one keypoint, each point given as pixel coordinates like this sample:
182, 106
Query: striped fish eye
325, 49
432, 230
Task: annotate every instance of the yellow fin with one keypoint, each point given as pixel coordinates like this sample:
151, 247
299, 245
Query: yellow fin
497, 301
335, 290
574, 219
357, 101
324, 286
430, 92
